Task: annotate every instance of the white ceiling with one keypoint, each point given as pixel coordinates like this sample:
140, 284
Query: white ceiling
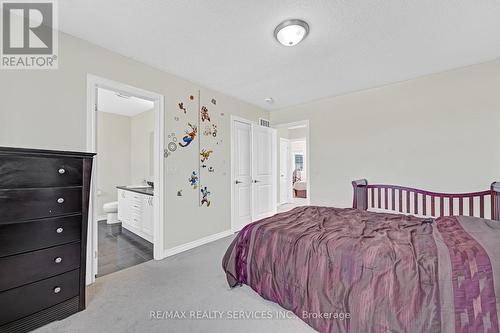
353, 45
125, 105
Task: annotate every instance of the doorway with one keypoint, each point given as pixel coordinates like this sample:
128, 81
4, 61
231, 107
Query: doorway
253, 172
125, 128
293, 165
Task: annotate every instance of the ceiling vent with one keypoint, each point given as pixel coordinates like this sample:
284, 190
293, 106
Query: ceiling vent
264, 122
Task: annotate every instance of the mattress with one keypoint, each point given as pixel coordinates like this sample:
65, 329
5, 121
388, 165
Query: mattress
300, 186
347, 270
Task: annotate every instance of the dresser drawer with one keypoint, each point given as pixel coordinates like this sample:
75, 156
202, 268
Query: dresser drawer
38, 203
19, 302
39, 234
37, 265
30, 171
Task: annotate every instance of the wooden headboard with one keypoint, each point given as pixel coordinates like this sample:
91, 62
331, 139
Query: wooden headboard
406, 200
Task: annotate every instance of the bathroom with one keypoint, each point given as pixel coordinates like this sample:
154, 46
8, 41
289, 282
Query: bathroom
125, 174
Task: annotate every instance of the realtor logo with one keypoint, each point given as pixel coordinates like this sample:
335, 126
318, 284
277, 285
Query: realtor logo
29, 35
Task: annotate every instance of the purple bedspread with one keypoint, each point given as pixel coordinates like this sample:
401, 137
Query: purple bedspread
346, 270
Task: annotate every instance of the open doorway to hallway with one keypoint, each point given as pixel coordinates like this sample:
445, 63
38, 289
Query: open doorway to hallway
293, 165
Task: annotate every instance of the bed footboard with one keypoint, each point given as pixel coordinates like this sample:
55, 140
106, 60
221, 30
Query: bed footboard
399, 199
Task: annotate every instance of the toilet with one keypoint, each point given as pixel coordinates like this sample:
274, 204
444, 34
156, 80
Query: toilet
111, 210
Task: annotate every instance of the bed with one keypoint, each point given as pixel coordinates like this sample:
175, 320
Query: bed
430, 262
300, 189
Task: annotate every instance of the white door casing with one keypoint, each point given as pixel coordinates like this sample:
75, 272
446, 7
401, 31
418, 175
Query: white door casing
285, 178
93, 83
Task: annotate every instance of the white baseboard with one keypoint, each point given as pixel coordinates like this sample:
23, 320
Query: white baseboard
196, 243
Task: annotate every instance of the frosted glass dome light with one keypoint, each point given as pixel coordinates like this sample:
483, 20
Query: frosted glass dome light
291, 32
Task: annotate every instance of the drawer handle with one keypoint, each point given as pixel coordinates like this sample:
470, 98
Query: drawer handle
59, 230
60, 200
57, 290
61, 171
58, 260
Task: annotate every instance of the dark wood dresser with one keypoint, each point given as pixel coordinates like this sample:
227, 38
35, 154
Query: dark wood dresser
44, 198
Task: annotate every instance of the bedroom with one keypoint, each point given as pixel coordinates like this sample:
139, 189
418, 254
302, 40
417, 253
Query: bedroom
402, 93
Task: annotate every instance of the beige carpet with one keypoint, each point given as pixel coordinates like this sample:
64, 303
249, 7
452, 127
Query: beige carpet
191, 281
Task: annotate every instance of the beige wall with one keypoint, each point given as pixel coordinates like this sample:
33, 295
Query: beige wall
142, 128
113, 156
438, 132
47, 109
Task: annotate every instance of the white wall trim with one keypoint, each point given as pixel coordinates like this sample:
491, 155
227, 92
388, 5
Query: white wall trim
288, 172
94, 82
199, 242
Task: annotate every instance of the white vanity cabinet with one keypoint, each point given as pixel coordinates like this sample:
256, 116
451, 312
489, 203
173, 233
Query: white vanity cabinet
135, 212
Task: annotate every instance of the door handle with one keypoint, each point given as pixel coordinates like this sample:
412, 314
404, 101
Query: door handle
256, 181
237, 182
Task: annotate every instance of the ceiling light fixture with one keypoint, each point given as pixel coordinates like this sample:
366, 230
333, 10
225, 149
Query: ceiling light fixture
291, 32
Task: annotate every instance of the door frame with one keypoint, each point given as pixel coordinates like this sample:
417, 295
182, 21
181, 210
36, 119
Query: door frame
288, 171
233, 178
93, 83
308, 151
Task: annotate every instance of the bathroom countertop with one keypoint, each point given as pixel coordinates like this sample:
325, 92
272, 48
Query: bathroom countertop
141, 190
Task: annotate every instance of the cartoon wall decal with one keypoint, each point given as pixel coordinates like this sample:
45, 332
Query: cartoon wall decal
182, 107
166, 153
207, 131
191, 135
214, 102
172, 146
205, 154
222, 114
204, 196
193, 180
191, 97
177, 118
204, 114
210, 130
179, 193
211, 169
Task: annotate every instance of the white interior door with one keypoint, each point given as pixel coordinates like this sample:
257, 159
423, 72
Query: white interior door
284, 170
264, 172
242, 171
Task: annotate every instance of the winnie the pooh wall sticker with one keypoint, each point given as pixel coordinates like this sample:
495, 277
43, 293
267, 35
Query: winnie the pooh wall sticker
190, 136
204, 196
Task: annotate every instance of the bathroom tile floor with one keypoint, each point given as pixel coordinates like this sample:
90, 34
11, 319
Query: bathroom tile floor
119, 248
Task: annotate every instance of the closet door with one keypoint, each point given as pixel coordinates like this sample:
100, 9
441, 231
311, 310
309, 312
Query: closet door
242, 171
263, 172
